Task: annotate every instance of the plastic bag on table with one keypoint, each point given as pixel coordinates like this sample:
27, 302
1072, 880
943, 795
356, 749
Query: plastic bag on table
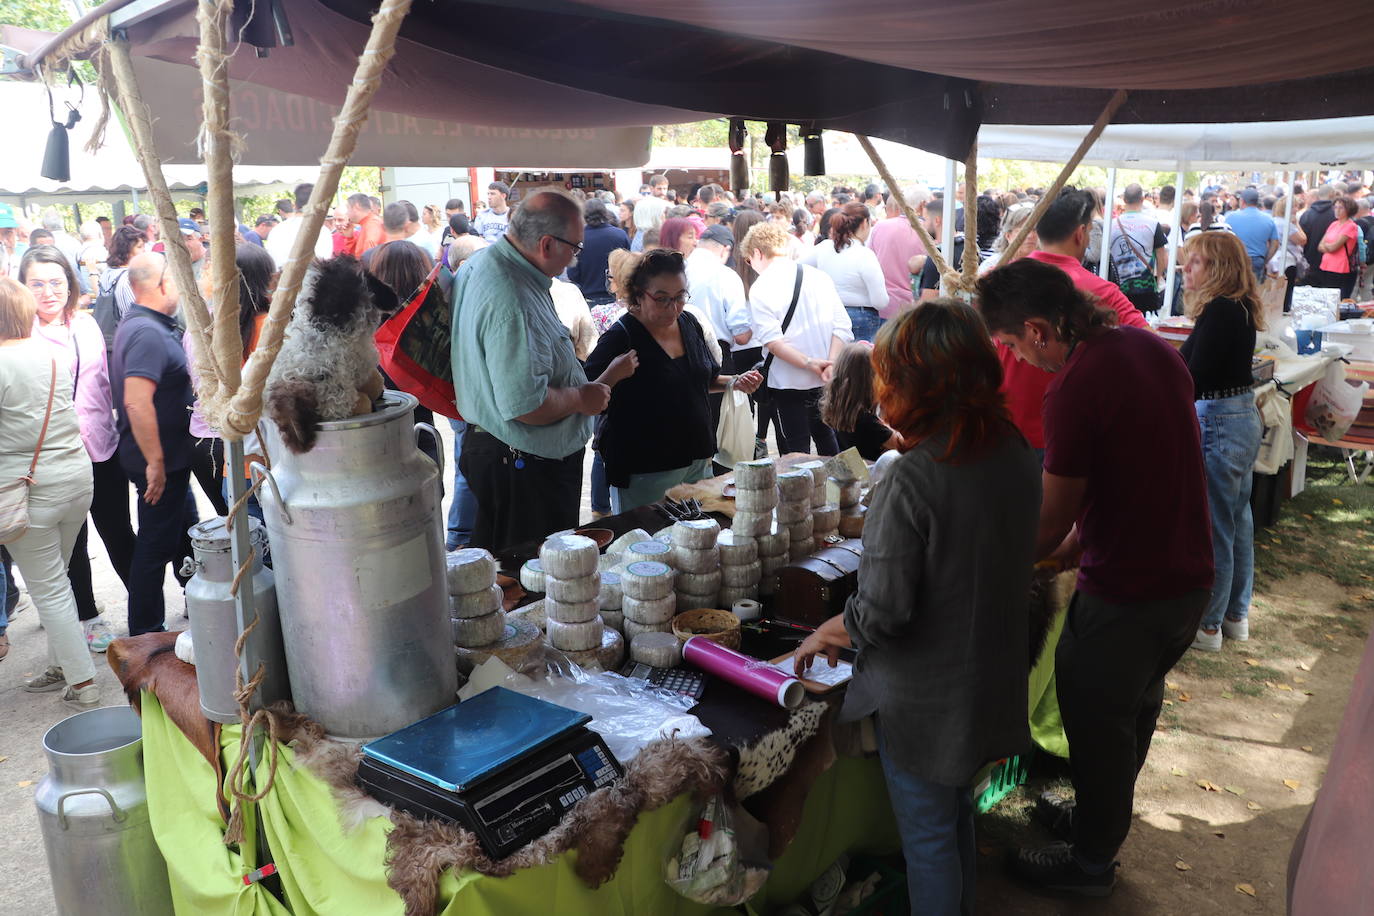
1335, 404
712, 863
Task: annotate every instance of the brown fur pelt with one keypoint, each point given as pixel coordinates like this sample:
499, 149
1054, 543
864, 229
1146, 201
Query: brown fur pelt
1050, 592
419, 851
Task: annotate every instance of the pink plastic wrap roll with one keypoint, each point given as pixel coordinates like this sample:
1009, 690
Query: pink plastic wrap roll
750, 674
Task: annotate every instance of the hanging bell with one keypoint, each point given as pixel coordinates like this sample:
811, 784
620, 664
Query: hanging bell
776, 138
57, 160
739, 161
813, 151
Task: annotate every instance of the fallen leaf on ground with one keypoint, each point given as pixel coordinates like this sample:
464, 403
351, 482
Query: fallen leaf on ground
1252, 663
1329, 636
1262, 546
1182, 865
1228, 696
1277, 541
1269, 684
1177, 772
25, 783
1254, 807
1307, 693
1168, 702
1235, 790
1299, 680
1285, 687
1172, 685
1304, 666
1308, 517
1307, 747
1208, 785
1292, 784
1219, 834
1246, 889
3, 758
1276, 715
1336, 502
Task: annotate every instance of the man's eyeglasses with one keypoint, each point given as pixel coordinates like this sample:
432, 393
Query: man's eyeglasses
575, 246
36, 287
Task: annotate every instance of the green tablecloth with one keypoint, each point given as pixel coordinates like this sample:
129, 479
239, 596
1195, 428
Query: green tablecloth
327, 871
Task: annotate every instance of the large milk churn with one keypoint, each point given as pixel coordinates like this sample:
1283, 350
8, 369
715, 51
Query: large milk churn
358, 554
214, 622
93, 811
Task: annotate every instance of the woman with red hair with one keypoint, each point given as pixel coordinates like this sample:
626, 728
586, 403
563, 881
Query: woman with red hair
940, 615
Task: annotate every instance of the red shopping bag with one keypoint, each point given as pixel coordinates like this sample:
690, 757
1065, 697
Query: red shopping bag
415, 346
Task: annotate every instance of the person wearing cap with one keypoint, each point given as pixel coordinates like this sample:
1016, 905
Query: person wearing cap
591, 269
10, 249
1256, 230
264, 226
491, 223
194, 241
718, 291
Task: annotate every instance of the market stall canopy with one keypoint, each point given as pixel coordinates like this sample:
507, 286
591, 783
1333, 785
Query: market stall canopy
1317, 144
110, 174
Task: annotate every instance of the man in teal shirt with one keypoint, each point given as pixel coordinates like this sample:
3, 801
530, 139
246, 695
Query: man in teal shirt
519, 385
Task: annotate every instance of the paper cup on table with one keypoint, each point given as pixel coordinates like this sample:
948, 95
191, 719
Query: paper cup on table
759, 678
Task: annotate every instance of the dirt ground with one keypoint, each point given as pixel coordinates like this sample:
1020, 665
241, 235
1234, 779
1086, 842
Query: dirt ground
1242, 744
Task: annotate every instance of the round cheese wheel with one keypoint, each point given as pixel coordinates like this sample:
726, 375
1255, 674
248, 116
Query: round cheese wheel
633, 629
661, 650
755, 500
532, 576
795, 486
583, 588
477, 604
608, 656
610, 594
652, 549
687, 559
801, 531
705, 583
650, 610
850, 493
569, 556
571, 611
622, 543
575, 637
614, 620
744, 574
691, 601
758, 474
791, 513
732, 595
533, 612
816, 469
479, 631
736, 548
800, 550
818, 497
770, 565
852, 521
646, 580
752, 524
609, 562
469, 570
774, 543
768, 586
697, 533
521, 647
825, 518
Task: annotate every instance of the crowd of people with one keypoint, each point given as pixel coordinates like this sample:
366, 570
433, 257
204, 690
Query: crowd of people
586, 319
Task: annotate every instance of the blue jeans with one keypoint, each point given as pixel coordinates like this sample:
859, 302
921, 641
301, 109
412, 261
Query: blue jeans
1260, 266
462, 513
601, 490
4, 587
864, 322
1231, 431
936, 824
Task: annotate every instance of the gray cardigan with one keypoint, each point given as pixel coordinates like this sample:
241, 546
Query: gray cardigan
940, 615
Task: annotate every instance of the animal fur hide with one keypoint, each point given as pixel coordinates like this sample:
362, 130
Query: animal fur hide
766, 760
327, 366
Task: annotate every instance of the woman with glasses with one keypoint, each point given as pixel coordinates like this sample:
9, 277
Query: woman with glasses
590, 269
75, 340
657, 431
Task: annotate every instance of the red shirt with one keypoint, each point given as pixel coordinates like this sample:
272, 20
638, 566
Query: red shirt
1023, 384
1144, 526
369, 234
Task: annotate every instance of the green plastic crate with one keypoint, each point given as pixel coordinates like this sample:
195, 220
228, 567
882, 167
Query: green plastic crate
997, 782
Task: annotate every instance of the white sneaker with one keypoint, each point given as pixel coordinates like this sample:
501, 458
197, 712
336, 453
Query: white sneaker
1239, 630
1207, 642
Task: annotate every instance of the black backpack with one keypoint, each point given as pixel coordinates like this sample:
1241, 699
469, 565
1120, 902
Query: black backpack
106, 309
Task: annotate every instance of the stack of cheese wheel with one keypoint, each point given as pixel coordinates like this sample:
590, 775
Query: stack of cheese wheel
826, 522
740, 569
773, 555
697, 562
572, 590
818, 474
794, 497
756, 496
611, 598
647, 603
474, 598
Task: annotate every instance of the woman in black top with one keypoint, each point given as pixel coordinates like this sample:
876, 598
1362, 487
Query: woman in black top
849, 405
1221, 295
658, 431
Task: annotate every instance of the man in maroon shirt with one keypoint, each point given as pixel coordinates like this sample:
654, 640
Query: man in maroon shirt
1124, 490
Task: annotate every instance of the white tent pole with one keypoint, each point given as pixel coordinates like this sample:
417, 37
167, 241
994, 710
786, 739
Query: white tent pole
947, 233
1291, 178
1175, 238
1107, 204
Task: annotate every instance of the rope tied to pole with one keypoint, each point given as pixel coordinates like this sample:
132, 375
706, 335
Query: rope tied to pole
238, 776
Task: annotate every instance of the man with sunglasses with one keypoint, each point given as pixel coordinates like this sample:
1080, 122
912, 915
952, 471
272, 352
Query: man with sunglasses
519, 385
151, 387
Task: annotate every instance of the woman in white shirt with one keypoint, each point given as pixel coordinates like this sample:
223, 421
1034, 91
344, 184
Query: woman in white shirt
854, 269
803, 352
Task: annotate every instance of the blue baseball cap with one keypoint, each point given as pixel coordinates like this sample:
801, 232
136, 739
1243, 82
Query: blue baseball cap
7, 220
188, 226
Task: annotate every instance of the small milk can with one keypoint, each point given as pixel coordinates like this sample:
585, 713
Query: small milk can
214, 623
358, 554
93, 811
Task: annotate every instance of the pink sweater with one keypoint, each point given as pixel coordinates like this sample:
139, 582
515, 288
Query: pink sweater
895, 242
82, 344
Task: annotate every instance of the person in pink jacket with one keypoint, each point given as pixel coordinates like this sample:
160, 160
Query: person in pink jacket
76, 341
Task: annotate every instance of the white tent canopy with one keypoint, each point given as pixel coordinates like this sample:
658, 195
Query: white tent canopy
1288, 145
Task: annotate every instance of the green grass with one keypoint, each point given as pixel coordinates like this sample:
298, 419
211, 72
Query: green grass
1327, 529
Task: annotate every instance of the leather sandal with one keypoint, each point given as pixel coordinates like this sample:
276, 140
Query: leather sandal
4, 646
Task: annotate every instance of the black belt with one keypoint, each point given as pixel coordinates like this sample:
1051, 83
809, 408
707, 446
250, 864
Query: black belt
516, 453
1224, 393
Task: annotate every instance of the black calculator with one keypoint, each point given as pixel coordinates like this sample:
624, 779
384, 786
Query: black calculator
687, 681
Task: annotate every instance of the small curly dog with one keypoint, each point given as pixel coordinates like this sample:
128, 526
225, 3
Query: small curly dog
327, 367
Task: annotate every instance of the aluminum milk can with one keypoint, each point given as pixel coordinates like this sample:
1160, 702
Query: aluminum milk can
358, 554
214, 623
93, 811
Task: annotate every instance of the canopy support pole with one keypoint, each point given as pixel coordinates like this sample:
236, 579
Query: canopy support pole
1288, 214
947, 228
1175, 239
1104, 263
912, 217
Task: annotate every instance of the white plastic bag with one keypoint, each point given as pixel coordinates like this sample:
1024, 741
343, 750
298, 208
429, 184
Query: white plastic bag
711, 864
735, 432
1335, 404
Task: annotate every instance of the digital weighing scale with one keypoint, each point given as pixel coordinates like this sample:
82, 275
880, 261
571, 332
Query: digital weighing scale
503, 765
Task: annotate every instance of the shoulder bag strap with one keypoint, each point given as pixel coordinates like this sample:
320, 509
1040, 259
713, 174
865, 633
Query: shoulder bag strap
1131, 243
787, 319
43, 433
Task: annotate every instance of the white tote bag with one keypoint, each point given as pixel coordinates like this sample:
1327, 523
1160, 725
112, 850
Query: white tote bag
735, 432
